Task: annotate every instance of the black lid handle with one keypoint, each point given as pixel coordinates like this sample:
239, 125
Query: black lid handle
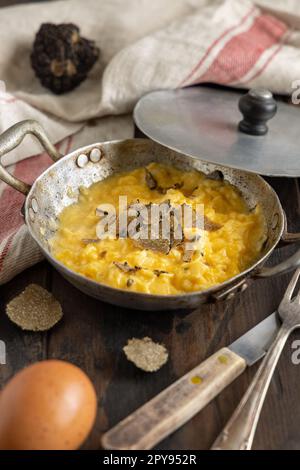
257, 107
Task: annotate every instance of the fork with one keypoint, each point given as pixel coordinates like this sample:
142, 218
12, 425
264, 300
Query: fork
238, 433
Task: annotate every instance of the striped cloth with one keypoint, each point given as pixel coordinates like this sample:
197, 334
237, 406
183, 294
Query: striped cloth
145, 46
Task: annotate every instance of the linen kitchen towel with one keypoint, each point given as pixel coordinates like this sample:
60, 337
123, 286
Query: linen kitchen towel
144, 46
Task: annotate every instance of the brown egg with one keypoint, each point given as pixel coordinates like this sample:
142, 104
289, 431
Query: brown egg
48, 405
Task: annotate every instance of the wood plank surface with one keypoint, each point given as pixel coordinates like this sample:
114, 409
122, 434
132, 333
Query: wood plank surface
93, 333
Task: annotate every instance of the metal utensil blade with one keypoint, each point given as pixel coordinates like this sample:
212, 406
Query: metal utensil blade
254, 344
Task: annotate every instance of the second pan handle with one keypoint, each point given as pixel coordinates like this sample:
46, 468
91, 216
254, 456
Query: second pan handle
287, 265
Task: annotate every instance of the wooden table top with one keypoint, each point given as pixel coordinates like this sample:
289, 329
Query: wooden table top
92, 335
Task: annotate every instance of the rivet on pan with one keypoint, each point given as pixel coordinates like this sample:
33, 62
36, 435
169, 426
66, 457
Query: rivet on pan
34, 205
95, 155
82, 160
275, 221
243, 287
31, 214
230, 296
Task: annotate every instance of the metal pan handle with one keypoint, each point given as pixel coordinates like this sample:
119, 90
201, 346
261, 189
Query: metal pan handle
288, 237
287, 265
290, 264
12, 137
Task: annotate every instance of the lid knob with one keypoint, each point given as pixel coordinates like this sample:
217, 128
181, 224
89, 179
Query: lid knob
257, 107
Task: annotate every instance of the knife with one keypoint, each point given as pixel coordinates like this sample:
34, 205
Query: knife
178, 403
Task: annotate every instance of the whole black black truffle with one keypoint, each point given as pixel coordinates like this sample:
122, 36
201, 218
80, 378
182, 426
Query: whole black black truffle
61, 58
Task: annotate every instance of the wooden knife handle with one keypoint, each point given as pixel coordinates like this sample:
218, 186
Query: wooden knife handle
239, 432
175, 405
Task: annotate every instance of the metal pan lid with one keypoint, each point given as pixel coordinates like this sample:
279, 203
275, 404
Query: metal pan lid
249, 132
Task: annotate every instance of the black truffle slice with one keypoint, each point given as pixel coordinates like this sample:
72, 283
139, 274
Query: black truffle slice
61, 58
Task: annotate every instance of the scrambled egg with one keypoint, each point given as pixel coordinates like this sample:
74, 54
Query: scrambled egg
225, 252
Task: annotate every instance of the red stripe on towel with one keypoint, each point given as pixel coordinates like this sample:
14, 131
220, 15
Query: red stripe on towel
69, 144
8, 100
11, 200
6, 249
215, 43
265, 65
241, 53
